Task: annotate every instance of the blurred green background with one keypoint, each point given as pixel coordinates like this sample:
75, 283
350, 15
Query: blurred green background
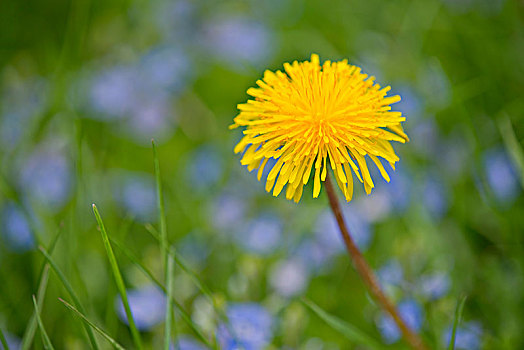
85, 86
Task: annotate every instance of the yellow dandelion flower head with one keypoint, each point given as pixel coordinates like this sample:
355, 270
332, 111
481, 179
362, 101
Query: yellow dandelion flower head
312, 113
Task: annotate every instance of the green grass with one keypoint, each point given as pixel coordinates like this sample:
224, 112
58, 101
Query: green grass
70, 290
185, 316
3, 340
45, 337
354, 334
169, 268
118, 280
456, 322
90, 324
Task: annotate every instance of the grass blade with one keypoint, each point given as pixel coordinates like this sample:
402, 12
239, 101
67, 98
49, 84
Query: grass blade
45, 337
349, 331
184, 266
169, 304
456, 321
185, 316
69, 288
3, 340
512, 145
113, 342
119, 280
168, 264
160, 204
193, 276
43, 278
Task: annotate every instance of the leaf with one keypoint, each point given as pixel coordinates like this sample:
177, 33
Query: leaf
349, 331
167, 261
69, 288
456, 321
169, 305
3, 340
513, 146
45, 337
113, 342
119, 280
43, 278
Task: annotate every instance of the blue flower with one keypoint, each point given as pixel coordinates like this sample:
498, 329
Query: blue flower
205, 168
501, 175
46, 177
250, 327
239, 40
21, 105
147, 306
434, 286
16, 229
152, 118
468, 336
289, 278
435, 197
164, 69
391, 273
113, 92
226, 211
186, 343
399, 189
411, 105
328, 235
411, 313
136, 193
261, 235
313, 255
13, 342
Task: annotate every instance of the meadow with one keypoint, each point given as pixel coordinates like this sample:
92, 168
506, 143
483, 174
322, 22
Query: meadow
180, 224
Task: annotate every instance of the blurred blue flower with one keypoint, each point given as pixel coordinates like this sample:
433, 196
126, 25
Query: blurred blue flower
250, 327
289, 278
164, 69
13, 342
227, 211
434, 286
46, 176
313, 255
411, 104
501, 175
113, 92
328, 234
205, 168
194, 248
16, 229
424, 136
239, 40
176, 20
152, 118
435, 197
377, 206
399, 189
468, 336
186, 343
391, 273
411, 313
260, 235
136, 193
21, 105
147, 306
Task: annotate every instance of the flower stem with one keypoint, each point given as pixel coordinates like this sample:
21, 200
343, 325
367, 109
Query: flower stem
366, 272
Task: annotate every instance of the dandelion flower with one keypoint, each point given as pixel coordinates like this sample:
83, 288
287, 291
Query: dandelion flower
312, 113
